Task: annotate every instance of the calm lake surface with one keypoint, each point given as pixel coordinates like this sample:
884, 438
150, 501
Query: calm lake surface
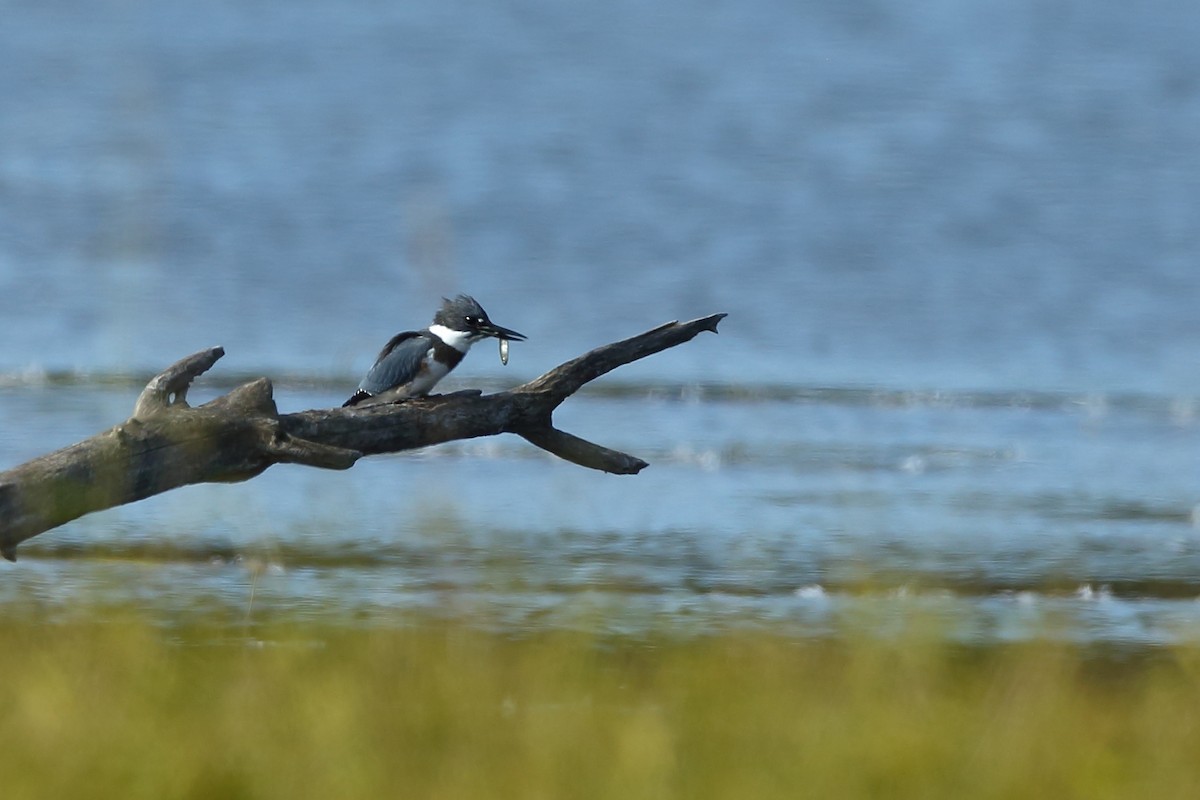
957, 244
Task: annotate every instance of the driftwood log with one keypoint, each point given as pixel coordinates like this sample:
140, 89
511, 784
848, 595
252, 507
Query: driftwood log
167, 443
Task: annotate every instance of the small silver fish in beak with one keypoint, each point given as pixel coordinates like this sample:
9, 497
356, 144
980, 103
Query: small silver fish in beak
483, 326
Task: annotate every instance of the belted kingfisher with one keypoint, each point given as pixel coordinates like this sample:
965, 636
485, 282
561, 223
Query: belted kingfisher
412, 362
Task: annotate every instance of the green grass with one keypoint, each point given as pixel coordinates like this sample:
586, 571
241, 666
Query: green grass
124, 709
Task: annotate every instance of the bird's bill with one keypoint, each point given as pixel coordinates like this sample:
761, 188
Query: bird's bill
500, 332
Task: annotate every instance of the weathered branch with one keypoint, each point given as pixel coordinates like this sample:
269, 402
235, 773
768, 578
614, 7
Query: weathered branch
168, 443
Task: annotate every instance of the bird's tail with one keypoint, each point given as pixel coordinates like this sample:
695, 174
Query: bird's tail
357, 398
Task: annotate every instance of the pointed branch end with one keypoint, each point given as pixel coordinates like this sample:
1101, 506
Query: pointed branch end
9, 551
171, 385
293, 450
186, 370
710, 323
636, 465
582, 452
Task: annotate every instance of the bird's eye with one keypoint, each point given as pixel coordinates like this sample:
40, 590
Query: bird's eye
471, 319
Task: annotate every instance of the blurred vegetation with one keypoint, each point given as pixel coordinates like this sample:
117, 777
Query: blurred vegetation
119, 707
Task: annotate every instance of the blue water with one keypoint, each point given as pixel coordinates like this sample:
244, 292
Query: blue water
961, 370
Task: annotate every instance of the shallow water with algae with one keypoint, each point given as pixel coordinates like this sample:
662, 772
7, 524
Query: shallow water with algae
790, 508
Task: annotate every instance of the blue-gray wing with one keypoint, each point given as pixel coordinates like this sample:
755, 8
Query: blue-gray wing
398, 362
